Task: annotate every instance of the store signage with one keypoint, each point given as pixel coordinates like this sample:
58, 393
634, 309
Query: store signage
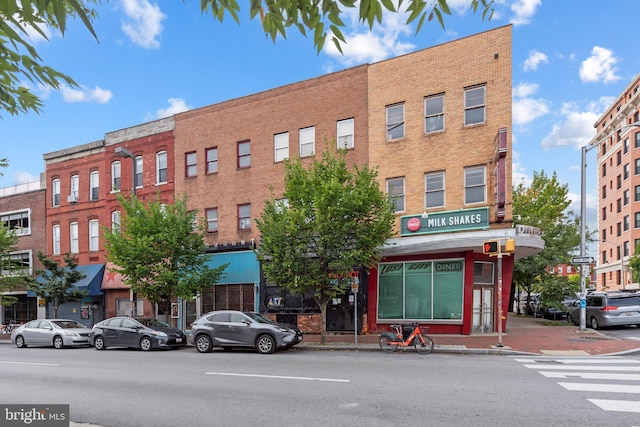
442, 222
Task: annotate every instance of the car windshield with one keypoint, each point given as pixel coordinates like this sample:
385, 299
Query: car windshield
153, 322
68, 324
260, 318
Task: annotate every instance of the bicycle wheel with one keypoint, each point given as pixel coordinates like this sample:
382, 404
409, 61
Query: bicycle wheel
385, 346
425, 348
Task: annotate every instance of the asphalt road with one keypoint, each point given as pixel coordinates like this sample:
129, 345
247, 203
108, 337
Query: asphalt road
302, 387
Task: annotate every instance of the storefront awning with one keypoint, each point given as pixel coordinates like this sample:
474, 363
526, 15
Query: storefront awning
92, 282
112, 279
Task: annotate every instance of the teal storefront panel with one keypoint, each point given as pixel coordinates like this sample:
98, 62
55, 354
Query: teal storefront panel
243, 267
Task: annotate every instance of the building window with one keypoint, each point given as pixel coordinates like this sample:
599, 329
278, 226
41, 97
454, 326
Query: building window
474, 105
56, 239
307, 141
604, 169
18, 222
474, 185
73, 237
604, 191
75, 186
434, 190
94, 183
625, 249
625, 146
637, 220
395, 122
212, 160
618, 158
191, 167
619, 205
161, 167
625, 195
94, 232
280, 147
395, 192
619, 182
434, 113
212, 220
625, 171
625, 223
140, 170
244, 217
345, 134
115, 221
637, 193
19, 263
604, 213
244, 154
115, 176
637, 140
55, 191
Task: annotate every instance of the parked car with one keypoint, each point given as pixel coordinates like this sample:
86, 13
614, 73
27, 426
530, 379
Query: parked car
538, 308
58, 333
229, 329
145, 334
608, 309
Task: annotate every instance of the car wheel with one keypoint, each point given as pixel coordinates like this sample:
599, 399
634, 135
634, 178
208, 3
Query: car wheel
20, 342
203, 343
594, 323
98, 343
57, 342
570, 319
265, 344
145, 344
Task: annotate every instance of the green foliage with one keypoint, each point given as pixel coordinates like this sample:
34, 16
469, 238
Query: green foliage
554, 289
157, 250
9, 280
325, 18
333, 221
634, 265
544, 205
56, 284
19, 58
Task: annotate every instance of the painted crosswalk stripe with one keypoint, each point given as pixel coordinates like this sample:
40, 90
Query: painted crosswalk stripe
617, 405
584, 368
606, 388
584, 361
592, 375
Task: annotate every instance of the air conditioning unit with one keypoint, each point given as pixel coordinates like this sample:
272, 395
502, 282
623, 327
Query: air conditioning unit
73, 198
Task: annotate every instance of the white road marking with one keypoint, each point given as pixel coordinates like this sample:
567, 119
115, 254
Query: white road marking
599, 361
617, 405
30, 364
231, 374
583, 368
592, 376
606, 388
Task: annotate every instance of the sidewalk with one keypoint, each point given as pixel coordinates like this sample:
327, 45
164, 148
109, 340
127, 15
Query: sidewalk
523, 335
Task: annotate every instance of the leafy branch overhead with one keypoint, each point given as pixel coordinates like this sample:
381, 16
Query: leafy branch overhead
323, 18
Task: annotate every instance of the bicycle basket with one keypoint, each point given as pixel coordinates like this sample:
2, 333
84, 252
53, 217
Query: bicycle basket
406, 331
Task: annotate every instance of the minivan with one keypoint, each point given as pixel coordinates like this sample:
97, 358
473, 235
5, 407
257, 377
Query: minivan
610, 309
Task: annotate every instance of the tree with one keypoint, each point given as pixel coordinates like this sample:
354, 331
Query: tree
9, 278
329, 221
56, 285
634, 265
159, 252
19, 58
544, 205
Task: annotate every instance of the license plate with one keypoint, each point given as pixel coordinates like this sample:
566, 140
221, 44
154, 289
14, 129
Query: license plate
178, 339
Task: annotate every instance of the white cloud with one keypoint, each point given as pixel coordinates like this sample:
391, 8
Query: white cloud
176, 105
600, 66
523, 11
524, 108
535, 58
96, 95
24, 178
143, 23
365, 46
575, 131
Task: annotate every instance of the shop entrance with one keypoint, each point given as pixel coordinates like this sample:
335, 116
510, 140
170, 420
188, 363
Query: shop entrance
482, 317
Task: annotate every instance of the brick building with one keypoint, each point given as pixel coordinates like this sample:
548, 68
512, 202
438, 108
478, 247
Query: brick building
617, 142
22, 209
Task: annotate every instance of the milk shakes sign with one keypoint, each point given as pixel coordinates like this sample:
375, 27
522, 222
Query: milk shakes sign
440, 222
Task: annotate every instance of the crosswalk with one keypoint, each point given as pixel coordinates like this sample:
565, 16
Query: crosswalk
615, 375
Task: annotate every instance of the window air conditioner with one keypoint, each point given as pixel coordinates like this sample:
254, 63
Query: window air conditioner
73, 198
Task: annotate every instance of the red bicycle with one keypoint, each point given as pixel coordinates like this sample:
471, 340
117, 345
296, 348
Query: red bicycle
406, 335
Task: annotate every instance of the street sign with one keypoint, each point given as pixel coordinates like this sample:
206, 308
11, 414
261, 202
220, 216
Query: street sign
582, 260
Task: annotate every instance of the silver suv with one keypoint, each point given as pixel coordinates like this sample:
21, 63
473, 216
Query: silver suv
610, 309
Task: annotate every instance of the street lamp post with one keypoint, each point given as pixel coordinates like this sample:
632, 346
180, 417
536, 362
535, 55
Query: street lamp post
583, 222
123, 152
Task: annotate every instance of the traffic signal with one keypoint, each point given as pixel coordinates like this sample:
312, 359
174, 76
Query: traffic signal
491, 247
510, 246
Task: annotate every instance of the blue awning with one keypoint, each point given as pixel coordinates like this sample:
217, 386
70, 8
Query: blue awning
92, 283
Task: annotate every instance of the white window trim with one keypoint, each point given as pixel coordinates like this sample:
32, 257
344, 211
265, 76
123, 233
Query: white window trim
443, 189
55, 191
388, 125
280, 145
159, 155
55, 234
94, 176
484, 185
401, 195
308, 138
345, 129
74, 244
440, 114
116, 166
94, 235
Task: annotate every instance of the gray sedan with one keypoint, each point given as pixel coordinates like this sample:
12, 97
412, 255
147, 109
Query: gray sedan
58, 333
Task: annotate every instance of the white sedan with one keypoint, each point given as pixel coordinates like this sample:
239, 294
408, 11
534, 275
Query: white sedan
58, 333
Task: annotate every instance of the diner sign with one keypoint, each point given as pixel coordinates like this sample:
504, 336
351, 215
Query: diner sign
443, 222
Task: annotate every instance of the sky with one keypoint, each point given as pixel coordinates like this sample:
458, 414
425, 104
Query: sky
153, 58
